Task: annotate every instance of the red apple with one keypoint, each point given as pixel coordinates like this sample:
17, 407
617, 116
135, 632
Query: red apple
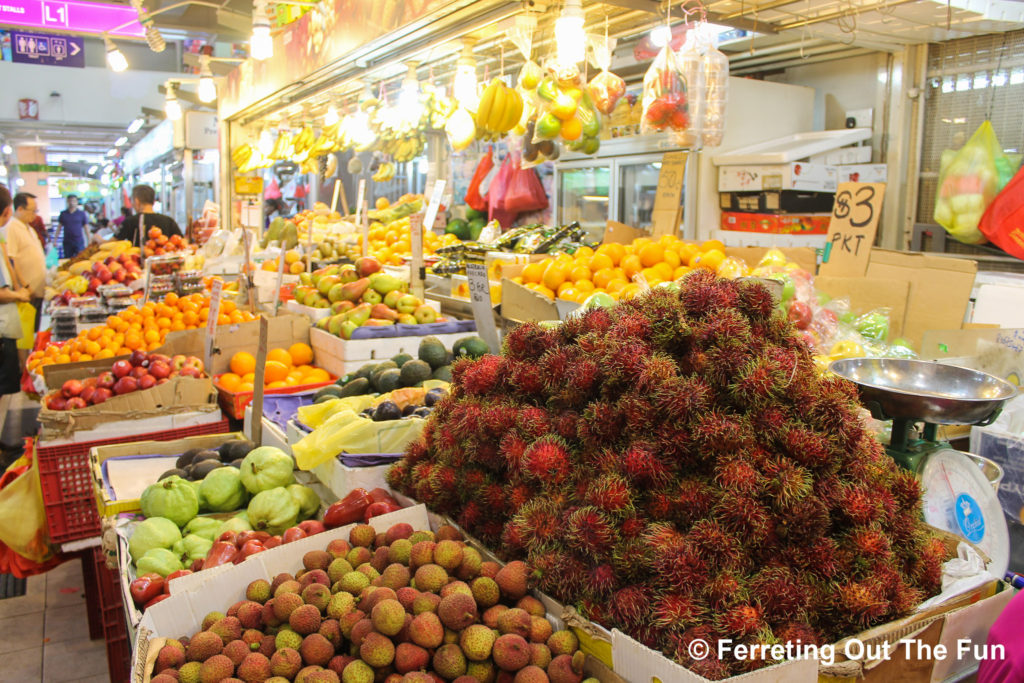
121, 276
72, 387
126, 385
56, 402
106, 380
90, 382
139, 359
178, 362
159, 369
87, 394
105, 276
147, 381
800, 314
138, 372
76, 402
121, 368
189, 371
154, 357
162, 381
100, 395
194, 362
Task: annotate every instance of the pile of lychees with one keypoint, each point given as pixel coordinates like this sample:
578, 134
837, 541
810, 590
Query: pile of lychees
402, 606
676, 467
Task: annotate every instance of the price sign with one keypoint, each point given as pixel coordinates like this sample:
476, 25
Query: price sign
211, 320
480, 301
256, 424
280, 281
851, 231
146, 278
665, 213
418, 273
435, 204
360, 200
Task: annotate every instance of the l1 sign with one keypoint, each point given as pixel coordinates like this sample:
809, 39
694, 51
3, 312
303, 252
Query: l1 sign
76, 16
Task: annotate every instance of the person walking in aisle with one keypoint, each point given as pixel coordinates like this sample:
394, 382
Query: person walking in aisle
25, 251
10, 321
75, 223
143, 198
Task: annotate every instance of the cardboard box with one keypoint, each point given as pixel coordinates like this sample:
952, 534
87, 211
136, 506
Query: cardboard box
142, 428
313, 314
521, 304
179, 395
340, 356
782, 201
340, 480
139, 472
863, 173
773, 223
794, 176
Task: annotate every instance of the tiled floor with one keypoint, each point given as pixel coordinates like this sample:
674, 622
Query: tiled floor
44, 634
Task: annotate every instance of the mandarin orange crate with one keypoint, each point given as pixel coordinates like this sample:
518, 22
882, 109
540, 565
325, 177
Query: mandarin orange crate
66, 480
234, 402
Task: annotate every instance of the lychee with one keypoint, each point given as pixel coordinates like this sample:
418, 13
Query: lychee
454, 586
290, 586
258, 591
563, 643
491, 615
457, 611
203, 645
338, 567
316, 559
561, 670
236, 651
395, 576
531, 674
338, 547
449, 662
362, 535
511, 652
407, 596
476, 642
540, 630
353, 582
388, 617
228, 628
532, 605
287, 638
359, 556
540, 655
421, 553
426, 602
430, 578
426, 630
316, 594
170, 656
400, 551
357, 671
515, 621
210, 619
448, 555
359, 631
216, 669
511, 579
410, 657
316, 650
339, 605
285, 604
255, 668
285, 663
377, 650
469, 569
485, 591
330, 630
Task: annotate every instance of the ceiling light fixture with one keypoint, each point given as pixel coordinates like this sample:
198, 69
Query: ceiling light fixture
172, 107
153, 38
261, 44
115, 58
661, 36
331, 117
464, 86
121, 141
136, 125
111, 152
92, 169
3, 171
7, 149
570, 41
20, 182
207, 89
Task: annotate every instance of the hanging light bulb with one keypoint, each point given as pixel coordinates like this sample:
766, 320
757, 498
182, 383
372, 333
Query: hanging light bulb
570, 41
172, 107
661, 36
7, 149
465, 86
115, 58
331, 117
261, 45
409, 109
207, 90
266, 143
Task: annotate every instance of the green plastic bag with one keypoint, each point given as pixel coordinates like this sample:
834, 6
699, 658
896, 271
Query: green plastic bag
969, 179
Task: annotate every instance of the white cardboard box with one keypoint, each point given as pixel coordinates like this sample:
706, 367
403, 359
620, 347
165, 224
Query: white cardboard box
802, 176
863, 173
340, 356
340, 480
272, 434
146, 426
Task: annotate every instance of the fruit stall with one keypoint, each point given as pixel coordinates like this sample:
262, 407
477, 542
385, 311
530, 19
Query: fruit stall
524, 385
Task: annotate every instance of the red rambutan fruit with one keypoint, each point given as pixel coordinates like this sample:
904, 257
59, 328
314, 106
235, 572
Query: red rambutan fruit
540, 521
483, 376
789, 482
631, 606
754, 300
725, 329
870, 542
682, 398
610, 493
602, 423
858, 505
720, 547
721, 434
906, 488
740, 620
601, 580
744, 516
416, 451
397, 476
642, 465
632, 527
810, 449
681, 565
693, 500
861, 602
927, 571
779, 592
702, 294
629, 325
524, 379
511, 449
513, 537
595, 611
658, 369
631, 559
532, 422
497, 419
547, 460
471, 516
677, 611
798, 633
589, 530
527, 341
518, 495
638, 413
737, 475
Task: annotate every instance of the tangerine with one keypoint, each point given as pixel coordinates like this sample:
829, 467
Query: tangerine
229, 381
242, 363
280, 355
274, 371
652, 254
316, 376
301, 354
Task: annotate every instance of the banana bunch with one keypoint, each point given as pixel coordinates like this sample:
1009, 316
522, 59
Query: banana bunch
406, 147
242, 154
385, 173
283, 146
310, 165
439, 108
304, 140
500, 108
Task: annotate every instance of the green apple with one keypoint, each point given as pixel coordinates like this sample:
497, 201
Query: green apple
424, 314
407, 303
372, 297
392, 297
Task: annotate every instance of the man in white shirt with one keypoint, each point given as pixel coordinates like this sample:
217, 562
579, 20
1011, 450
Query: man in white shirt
10, 321
24, 249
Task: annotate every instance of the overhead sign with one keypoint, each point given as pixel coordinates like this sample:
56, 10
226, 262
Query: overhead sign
76, 16
52, 50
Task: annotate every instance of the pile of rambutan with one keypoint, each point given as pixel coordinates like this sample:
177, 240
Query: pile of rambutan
676, 467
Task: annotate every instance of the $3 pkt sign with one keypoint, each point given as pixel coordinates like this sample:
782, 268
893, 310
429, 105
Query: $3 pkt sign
851, 231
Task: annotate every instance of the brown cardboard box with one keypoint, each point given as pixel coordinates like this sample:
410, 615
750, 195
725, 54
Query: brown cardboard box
521, 304
179, 395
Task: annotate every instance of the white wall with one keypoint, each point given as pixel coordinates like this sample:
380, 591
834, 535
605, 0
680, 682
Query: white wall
88, 96
757, 111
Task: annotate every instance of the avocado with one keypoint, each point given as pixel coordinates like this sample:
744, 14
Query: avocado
366, 371
357, 387
185, 459
330, 390
432, 352
235, 449
207, 454
401, 359
237, 464
324, 399
387, 411
201, 469
459, 228
475, 227
443, 373
470, 347
413, 372
172, 473
387, 380
472, 214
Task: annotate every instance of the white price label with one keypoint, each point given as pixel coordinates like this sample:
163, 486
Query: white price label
480, 301
416, 266
435, 204
360, 200
211, 321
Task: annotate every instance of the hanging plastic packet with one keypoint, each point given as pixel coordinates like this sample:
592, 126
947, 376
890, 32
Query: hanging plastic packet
665, 99
691, 63
716, 88
605, 88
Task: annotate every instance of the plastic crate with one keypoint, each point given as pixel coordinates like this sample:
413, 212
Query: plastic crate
115, 631
66, 480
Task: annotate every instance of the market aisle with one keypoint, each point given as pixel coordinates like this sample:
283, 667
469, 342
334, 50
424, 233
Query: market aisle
44, 634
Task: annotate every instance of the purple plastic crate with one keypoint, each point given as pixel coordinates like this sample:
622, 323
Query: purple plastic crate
280, 408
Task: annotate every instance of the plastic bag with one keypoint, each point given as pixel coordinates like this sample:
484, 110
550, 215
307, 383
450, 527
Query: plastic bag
349, 432
1003, 221
969, 179
665, 99
473, 197
691, 64
23, 527
605, 88
496, 210
525, 193
716, 90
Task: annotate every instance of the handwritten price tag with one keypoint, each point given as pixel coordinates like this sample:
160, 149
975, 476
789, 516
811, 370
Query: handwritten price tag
211, 320
855, 216
417, 271
360, 197
480, 302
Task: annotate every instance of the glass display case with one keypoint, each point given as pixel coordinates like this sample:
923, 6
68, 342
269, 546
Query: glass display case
584, 190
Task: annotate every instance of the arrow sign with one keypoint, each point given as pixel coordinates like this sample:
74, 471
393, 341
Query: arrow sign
75, 48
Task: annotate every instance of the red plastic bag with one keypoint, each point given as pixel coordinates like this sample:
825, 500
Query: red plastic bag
525, 193
496, 209
473, 197
1003, 220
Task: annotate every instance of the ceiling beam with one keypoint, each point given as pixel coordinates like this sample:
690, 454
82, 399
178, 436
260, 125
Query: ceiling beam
756, 8
858, 10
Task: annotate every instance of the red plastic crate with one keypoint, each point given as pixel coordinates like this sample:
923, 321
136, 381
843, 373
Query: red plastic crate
115, 631
66, 482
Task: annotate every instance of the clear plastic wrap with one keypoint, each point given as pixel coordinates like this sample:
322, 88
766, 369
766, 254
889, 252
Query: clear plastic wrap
665, 99
716, 92
691, 63
605, 88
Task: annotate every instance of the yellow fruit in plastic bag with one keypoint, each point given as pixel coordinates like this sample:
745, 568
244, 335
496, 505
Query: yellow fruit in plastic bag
774, 257
732, 268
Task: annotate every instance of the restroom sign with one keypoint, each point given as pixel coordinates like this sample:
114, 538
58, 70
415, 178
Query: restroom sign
28, 109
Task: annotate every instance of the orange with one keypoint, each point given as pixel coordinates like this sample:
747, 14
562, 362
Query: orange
672, 258
584, 286
651, 254
614, 251
652, 275
629, 291
244, 387
533, 272
316, 376
603, 277
712, 244
242, 363
236, 316
275, 372
104, 353
601, 261
280, 384
680, 272
281, 356
554, 275
617, 285
572, 129
292, 381
664, 270
296, 374
688, 253
227, 306
229, 381
710, 259
631, 265
301, 354
567, 292
579, 272
151, 336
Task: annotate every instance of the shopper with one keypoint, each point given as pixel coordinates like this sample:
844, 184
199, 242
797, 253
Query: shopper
143, 198
24, 250
75, 223
10, 321
119, 220
39, 226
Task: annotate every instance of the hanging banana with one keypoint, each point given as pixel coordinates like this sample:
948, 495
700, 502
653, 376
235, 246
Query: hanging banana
500, 109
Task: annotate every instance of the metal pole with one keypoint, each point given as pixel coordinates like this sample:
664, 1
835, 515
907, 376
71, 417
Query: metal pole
188, 172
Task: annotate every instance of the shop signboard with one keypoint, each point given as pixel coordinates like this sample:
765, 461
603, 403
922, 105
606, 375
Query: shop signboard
75, 16
325, 34
51, 50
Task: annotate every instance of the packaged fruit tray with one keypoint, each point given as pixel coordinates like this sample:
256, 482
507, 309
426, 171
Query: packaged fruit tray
235, 402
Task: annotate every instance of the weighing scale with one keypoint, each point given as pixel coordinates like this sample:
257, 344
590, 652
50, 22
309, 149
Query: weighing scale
959, 489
